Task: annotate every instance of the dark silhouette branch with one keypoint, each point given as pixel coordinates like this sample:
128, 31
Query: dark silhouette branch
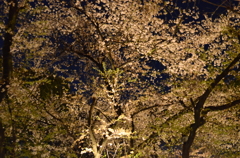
223, 6
96, 25
7, 67
199, 120
222, 107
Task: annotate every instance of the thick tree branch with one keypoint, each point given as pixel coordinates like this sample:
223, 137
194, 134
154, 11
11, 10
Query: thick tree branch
96, 25
91, 112
203, 98
195, 126
199, 120
222, 107
91, 130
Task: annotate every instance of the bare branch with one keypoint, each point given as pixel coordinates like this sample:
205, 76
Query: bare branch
222, 107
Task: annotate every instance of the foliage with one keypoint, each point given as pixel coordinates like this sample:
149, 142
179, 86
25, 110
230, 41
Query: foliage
84, 81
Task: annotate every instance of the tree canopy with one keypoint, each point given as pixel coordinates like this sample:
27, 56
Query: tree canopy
119, 79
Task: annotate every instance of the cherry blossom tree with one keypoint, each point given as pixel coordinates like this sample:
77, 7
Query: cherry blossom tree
91, 86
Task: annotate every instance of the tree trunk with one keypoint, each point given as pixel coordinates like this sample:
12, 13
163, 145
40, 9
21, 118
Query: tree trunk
2, 151
97, 155
187, 145
7, 64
